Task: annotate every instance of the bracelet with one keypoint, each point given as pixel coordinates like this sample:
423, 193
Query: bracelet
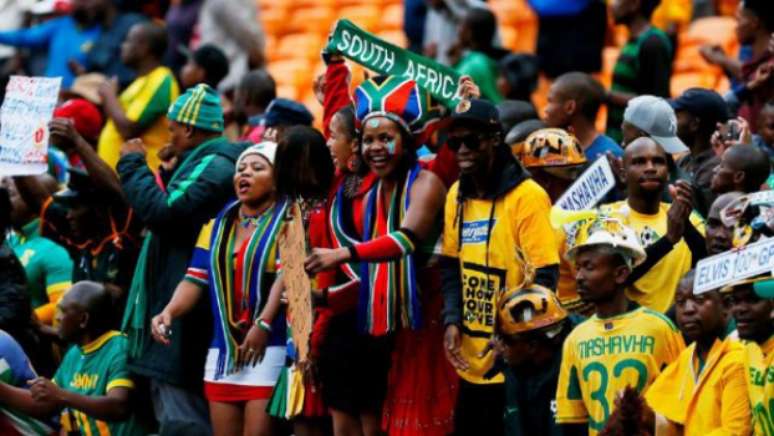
263, 325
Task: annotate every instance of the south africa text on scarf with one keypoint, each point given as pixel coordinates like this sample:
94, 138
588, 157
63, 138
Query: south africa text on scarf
389, 293
225, 277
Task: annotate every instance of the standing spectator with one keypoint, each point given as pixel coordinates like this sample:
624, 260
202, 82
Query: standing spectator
47, 264
704, 390
207, 64
197, 187
181, 20
755, 24
573, 104
571, 34
644, 66
698, 111
604, 255
494, 212
414, 12
518, 77
105, 56
11, 18
479, 57
139, 110
252, 98
234, 27
742, 168
442, 26
67, 39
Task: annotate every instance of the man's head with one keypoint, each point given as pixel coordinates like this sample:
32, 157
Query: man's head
742, 168
144, 41
255, 92
719, 237
86, 309
474, 133
573, 96
653, 117
645, 169
21, 213
518, 76
478, 29
766, 123
700, 317
207, 64
86, 218
698, 111
625, 11
513, 112
751, 311
754, 18
187, 127
89, 12
282, 114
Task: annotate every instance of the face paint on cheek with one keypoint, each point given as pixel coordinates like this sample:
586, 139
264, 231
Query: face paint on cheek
391, 147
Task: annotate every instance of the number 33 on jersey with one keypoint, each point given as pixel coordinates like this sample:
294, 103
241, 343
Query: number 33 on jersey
603, 356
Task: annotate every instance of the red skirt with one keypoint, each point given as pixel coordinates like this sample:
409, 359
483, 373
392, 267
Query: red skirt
422, 385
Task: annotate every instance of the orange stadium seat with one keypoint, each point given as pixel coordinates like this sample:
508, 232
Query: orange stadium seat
274, 20
366, 17
609, 57
292, 72
396, 37
286, 91
392, 18
509, 37
710, 30
681, 82
300, 45
314, 19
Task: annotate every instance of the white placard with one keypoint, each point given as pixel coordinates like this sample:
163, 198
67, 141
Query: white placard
761, 198
28, 107
591, 186
724, 268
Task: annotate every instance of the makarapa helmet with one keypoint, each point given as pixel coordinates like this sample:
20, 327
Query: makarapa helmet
528, 309
551, 148
605, 230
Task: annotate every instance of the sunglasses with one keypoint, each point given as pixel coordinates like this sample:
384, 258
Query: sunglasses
471, 140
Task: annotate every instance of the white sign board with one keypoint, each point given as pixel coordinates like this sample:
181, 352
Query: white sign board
724, 268
590, 187
28, 107
761, 198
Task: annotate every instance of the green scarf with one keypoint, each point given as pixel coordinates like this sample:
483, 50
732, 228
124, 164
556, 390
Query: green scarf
382, 57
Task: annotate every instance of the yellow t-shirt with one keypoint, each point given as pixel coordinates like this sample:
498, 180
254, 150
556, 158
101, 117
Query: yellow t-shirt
487, 256
758, 362
714, 402
603, 356
145, 101
656, 289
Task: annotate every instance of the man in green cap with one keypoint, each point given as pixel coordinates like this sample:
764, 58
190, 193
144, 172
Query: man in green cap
174, 207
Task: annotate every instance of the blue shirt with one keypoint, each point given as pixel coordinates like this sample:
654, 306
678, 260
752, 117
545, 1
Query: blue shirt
601, 145
105, 56
64, 39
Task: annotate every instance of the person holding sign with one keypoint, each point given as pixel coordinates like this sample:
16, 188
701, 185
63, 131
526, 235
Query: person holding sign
750, 303
623, 344
703, 392
237, 261
494, 212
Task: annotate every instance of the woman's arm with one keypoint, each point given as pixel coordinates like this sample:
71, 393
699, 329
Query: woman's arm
186, 296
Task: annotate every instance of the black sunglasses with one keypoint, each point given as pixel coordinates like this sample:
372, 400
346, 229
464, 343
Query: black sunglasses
471, 140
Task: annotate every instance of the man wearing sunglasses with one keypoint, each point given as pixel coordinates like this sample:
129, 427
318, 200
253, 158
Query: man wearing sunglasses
494, 214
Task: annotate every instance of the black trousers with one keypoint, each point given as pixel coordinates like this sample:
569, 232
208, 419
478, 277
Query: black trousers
479, 409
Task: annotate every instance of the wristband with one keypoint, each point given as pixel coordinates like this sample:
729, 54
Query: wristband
263, 325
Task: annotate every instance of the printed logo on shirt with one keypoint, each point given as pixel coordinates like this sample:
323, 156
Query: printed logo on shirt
481, 287
475, 232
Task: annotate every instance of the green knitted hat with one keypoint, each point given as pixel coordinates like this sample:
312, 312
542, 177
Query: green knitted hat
198, 107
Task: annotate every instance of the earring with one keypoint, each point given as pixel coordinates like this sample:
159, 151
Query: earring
352, 163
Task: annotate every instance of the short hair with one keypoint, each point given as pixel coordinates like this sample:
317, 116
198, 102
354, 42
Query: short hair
754, 163
303, 167
482, 24
582, 88
259, 87
156, 38
764, 10
96, 301
648, 6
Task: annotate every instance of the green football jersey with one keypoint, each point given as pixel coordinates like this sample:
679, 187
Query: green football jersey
93, 370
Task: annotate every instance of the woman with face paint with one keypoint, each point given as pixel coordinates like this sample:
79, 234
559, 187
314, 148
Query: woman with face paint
399, 295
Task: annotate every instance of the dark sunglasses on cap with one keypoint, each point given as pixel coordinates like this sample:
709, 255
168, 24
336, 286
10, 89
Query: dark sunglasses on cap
471, 140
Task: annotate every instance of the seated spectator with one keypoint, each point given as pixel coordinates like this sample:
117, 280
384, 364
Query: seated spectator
573, 104
755, 24
513, 112
47, 264
742, 168
518, 76
698, 111
66, 39
704, 390
139, 110
92, 387
16, 370
252, 98
207, 64
644, 65
105, 55
479, 57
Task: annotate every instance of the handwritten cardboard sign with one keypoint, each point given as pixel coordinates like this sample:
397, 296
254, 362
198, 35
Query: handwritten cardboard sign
591, 186
28, 107
722, 269
298, 287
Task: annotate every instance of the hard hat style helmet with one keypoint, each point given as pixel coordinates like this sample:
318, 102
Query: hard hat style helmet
528, 309
608, 231
551, 148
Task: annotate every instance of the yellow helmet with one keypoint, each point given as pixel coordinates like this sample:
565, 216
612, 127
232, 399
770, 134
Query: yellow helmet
527, 309
606, 230
550, 148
